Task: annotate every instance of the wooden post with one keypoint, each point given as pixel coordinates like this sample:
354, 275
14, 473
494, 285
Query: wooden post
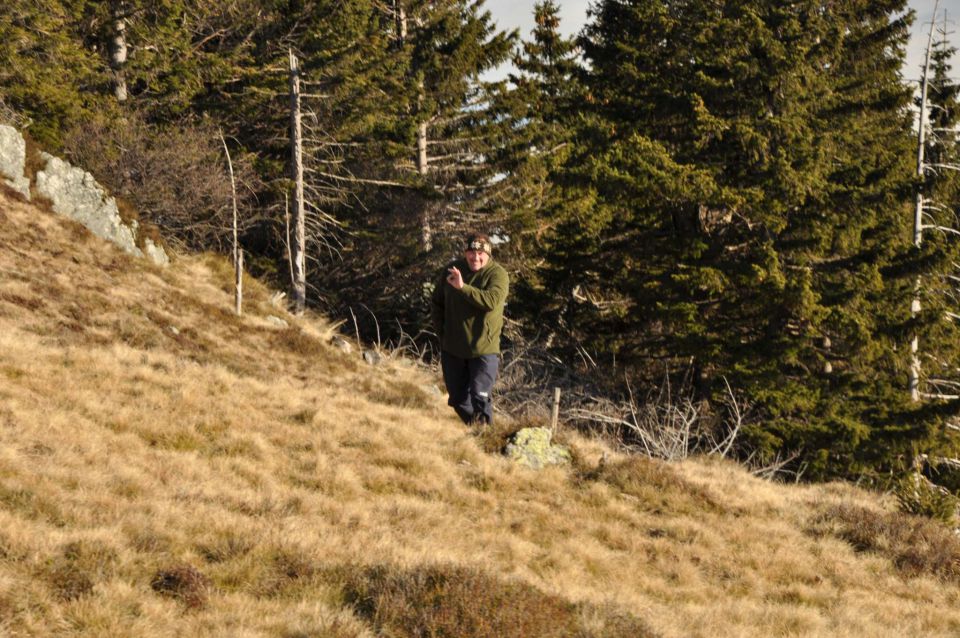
239, 286
555, 413
296, 170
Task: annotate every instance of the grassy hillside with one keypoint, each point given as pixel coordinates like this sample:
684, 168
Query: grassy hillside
167, 468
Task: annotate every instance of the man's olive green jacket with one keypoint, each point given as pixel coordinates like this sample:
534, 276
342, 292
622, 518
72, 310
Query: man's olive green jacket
468, 321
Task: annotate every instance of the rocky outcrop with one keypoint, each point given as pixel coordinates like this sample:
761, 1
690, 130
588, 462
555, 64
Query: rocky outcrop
532, 447
73, 192
13, 160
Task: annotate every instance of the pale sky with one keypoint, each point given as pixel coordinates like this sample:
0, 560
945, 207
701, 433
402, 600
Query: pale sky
511, 14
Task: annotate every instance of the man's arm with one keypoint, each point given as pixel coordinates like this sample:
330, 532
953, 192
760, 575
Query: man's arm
493, 295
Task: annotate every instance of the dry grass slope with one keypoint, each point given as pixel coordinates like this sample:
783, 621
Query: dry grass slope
168, 468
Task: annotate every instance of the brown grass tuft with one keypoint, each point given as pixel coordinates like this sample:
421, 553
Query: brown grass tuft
916, 545
183, 583
657, 486
69, 581
396, 393
296, 341
448, 601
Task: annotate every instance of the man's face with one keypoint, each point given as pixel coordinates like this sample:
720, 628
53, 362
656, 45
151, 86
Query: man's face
476, 259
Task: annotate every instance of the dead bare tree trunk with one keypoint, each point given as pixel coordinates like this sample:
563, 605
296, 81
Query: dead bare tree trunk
296, 169
423, 168
426, 232
118, 48
237, 252
914, 375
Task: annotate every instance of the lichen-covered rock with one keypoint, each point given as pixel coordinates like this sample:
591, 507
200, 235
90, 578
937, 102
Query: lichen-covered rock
532, 447
74, 193
13, 160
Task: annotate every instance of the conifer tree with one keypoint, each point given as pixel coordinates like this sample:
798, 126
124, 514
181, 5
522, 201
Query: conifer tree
419, 141
942, 184
451, 44
540, 107
744, 171
46, 72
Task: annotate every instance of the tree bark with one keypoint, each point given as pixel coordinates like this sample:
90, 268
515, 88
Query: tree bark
426, 233
298, 249
239, 284
914, 374
237, 252
118, 49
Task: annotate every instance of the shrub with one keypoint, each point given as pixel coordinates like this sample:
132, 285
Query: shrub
175, 176
656, 485
459, 602
918, 495
915, 545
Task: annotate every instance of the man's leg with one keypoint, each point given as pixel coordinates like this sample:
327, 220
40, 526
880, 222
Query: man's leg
483, 373
456, 377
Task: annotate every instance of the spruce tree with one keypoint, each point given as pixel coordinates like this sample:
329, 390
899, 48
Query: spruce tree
539, 107
420, 139
744, 172
46, 72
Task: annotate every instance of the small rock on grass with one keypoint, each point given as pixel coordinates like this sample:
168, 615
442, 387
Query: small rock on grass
532, 447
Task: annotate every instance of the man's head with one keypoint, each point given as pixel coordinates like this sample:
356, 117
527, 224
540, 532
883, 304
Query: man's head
478, 251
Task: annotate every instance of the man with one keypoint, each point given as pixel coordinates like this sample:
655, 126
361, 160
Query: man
467, 310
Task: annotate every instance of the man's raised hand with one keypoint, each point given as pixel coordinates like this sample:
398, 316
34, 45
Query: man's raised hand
454, 278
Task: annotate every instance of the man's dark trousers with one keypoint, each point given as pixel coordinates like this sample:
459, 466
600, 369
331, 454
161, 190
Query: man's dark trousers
469, 382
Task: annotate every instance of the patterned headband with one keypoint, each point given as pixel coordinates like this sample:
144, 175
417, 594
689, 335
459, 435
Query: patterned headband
477, 244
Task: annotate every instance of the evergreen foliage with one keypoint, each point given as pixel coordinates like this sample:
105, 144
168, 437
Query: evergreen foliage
744, 172
539, 109
46, 71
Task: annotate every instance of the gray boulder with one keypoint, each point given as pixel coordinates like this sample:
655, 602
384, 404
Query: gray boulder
532, 447
13, 160
74, 193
